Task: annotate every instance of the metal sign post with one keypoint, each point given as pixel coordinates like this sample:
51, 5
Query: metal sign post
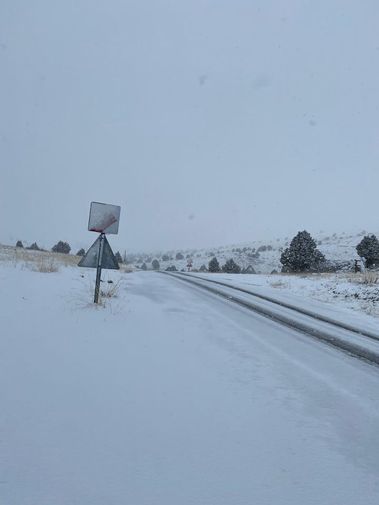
98, 268
103, 218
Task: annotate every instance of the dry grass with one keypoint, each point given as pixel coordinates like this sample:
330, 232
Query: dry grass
370, 277
110, 290
39, 261
367, 277
45, 264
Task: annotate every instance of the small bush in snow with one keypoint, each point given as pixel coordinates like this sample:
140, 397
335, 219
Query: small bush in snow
171, 268
109, 289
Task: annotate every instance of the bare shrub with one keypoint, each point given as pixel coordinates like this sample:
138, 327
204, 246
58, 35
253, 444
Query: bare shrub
110, 290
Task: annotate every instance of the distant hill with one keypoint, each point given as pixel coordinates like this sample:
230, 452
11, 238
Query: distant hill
263, 255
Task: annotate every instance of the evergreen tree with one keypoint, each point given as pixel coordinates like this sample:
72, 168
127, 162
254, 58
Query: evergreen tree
302, 255
248, 270
34, 247
179, 256
61, 247
231, 267
171, 268
203, 268
214, 266
143, 266
368, 248
118, 257
81, 252
155, 264
19, 244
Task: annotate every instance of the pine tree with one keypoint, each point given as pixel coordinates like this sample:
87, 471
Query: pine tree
231, 267
155, 264
34, 247
302, 255
214, 266
61, 247
81, 252
118, 257
368, 248
19, 244
171, 268
143, 266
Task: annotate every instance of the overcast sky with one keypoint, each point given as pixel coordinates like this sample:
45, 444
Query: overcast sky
209, 122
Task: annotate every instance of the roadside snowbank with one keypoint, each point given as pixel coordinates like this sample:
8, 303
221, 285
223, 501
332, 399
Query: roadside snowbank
342, 296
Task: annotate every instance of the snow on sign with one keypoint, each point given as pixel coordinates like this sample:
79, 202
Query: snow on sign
104, 218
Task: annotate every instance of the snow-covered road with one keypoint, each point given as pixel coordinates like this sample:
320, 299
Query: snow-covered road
170, 396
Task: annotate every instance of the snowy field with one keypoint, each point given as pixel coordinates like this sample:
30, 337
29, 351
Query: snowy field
166, 395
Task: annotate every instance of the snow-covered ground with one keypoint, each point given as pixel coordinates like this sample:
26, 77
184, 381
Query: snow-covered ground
167, 395
351, 297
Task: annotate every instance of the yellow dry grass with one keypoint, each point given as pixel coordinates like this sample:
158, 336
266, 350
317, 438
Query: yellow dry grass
40, 261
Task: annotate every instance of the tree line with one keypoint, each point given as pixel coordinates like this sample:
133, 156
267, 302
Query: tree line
63, 248
302, 255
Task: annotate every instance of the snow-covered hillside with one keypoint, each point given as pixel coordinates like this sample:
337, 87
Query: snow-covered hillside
263, 256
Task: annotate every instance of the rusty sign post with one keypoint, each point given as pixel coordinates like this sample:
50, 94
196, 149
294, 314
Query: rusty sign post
103, 218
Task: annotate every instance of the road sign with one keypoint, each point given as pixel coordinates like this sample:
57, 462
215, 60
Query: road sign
99, 255
91, 258
104, 218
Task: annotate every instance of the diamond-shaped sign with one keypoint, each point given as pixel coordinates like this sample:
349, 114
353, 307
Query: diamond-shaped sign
91, 258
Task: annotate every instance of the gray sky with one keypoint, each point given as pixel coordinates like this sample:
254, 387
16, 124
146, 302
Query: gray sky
209, 122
